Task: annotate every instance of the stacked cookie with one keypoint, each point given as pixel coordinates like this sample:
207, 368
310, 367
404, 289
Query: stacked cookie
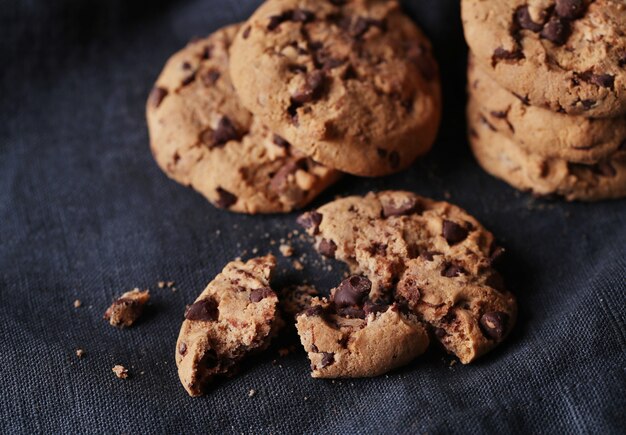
261, 117
547, 94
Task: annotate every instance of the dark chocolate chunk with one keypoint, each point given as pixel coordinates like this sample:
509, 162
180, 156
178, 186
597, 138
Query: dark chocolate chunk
226, 199
156, 96
278, 183
225, 132
525, 21
280, 141
570, 9
451, 270
312, 88
440, 332
210, 77
188, 80
352, 291
182, 348
257, 295
429, 255
501, 54
310, 220
588, 104
603, 80
410, 206
327, 359
186, 65
327, 248
205, 310
374, 307
494, 324
453, 232
556, 30
246, 32
317, 310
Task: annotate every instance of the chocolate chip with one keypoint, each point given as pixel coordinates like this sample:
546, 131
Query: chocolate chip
603, 80
420, 55
501, 54
409, 206
280, 141
327, 359
188, 80
312, 88
278, 183
210, 77
440, 332
556, 30
226, 199
225, 132
525, 21
394, 159
206, 53
352, 291
205, 310
451, 270
302, 16
182, 348
186, 65
310, 220
246, 32
588, 104
156, 96
570, 9
411, 290
429, 255
494, 324
453, 232
257, 295
351, 313
317, 310
374, 308
327, 248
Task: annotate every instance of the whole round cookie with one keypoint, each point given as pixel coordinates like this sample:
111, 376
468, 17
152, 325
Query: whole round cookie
565, 55
543, 132
416, 251
364, 339
201, 136
505, 159
235, 316
353, 83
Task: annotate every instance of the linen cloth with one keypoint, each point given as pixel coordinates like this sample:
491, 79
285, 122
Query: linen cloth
86, 214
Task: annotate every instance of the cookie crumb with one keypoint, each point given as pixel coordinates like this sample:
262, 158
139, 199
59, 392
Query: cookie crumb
126, 309
251, 393
170, 284
78, 303
286, 250
161, 284
80, 353
297, 265
120, 371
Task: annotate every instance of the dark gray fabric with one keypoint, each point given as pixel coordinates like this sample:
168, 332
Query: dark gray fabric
85, 213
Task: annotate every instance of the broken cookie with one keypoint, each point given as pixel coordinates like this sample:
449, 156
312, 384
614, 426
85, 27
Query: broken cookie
235, 316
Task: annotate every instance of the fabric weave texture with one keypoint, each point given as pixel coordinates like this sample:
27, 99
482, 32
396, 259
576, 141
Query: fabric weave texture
86, 214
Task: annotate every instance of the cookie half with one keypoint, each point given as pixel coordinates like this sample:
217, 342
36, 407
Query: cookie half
235, 316
540, 131
353, 84
505, 159
358, 338
568, 56
390, 236
202, 137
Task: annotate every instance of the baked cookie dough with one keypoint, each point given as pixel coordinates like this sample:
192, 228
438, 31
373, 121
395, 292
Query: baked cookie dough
392, 236
235, 316
566, 55
505, 159
353, 84
543, 132
201, 136
351, 336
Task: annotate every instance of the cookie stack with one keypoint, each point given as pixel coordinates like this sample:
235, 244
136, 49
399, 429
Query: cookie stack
547, 94
260, 117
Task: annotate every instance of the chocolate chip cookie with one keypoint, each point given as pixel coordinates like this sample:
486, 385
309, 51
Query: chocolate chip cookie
392, 236
235, 316
542, 176
201, 136
353, 84
543, 132
127, 309
351, 336
565, 55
